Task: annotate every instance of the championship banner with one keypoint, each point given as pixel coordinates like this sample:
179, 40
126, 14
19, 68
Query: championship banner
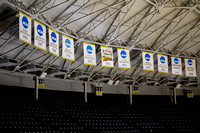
148, 64
162, 63
107, 56
24, 28
123, 58
39, 35
53, 42
190, 68
89, 54
68, 48
176, 66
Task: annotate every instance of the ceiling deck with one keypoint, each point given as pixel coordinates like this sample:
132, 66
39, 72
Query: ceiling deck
169, 27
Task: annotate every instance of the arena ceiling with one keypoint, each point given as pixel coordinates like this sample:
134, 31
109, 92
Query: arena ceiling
168, 27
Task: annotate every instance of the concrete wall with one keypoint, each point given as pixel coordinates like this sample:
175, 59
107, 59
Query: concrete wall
26, 80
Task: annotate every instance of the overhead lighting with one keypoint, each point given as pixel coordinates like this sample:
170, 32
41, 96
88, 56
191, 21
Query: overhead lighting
43, 75
116, 82
178, 86
110, 82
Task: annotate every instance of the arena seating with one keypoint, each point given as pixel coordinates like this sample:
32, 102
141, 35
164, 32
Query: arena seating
58, 111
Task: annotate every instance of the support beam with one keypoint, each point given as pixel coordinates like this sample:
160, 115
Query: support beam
6, 16
18, 66
15, 5
171, 95
16, 32
182, 48
197, 43
66, 20
125, 31
146, 26
198, 71
164, 29
175, 102
99, 71
3, 54
130, 94
2, 1
43, 7
52, 63
108, 29
105, 19
10, 26
138, 64
120, 23
131, 18
66, 8
115, 78
32, 4
102, 9
159, 47
182, 38
53, 7
160, 26
137, 75
85, 91
36, 87
137, 26
20, 51
183, 35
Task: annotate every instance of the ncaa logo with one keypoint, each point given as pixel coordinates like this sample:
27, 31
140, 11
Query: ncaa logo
53, 37
89, 49
162, 59
147, 57
123, 54
176, 61
39, 30
189, 62
67, 43
25, 22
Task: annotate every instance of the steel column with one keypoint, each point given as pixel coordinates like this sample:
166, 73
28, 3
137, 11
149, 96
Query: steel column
175, 102
36, 87
171, 95
85, 91
130, 94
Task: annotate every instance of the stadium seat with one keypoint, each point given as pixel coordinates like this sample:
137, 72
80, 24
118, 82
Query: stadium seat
58, 111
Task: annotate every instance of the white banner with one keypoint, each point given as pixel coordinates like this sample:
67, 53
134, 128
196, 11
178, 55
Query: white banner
39, 35
107, 56
89, 54
176, 66
148, 64
162, 63
190, 68
53, 42
24, 28
68, 48
123, 58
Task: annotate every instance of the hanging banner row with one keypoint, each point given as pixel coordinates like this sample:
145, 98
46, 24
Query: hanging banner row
176, 64
90, 51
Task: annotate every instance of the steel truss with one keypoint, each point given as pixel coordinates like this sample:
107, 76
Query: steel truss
111, 37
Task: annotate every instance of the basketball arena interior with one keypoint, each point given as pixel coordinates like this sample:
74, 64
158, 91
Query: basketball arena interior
110, 66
